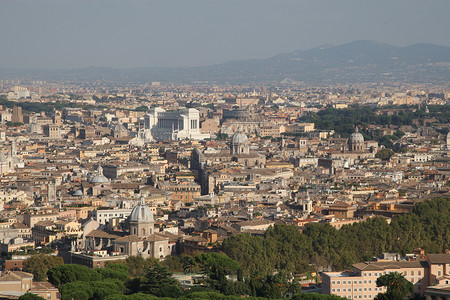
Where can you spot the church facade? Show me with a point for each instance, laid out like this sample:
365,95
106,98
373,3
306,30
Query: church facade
141,239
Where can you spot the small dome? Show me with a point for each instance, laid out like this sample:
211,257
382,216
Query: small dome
239,138
141,213
99,178
356,137
78,192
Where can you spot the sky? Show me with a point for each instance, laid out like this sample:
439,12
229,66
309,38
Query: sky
59,34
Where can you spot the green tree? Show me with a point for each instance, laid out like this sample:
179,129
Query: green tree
397,286
141,108
138,266
315,296
384,154
114,271
159,282
221,136
216,265
30,296
93,290
40,264
63,274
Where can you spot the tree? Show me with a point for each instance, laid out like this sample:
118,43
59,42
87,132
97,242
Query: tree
30,296
397,286
141,108
221,136
315,296
114,271
40,264
216,265
159,282
138,266
63,274
96,290
384,154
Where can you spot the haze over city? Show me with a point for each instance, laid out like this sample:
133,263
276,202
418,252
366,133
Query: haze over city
125,34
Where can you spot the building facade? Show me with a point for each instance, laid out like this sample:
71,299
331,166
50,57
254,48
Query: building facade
174,125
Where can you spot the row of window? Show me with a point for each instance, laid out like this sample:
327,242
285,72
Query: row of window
350,282
376,274
377,289
359,296
110,215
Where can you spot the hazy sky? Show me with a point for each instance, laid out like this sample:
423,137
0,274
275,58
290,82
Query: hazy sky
134,33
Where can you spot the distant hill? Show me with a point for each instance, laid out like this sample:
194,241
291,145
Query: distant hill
355,62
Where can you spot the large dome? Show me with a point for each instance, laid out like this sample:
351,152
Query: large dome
356,137
141,213
239,138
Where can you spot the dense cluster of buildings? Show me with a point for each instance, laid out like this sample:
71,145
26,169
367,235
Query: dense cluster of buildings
100,183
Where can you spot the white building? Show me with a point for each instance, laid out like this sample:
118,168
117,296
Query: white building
104,216
174,125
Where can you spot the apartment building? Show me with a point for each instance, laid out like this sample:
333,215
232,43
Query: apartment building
361,282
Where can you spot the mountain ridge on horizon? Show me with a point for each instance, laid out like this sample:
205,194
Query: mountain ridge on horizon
353,62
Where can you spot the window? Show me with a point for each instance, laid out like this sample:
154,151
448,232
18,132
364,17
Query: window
338,282
419,273
160,249
360,282
370,274
439,273
49,296
412,273
333,290
333,282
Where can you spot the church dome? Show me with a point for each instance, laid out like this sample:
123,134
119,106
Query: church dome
78,192
141,213
239,138
99,178
356,137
